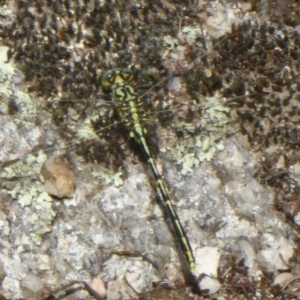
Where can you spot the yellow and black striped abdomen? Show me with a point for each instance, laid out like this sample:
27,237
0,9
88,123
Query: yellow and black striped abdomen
130,109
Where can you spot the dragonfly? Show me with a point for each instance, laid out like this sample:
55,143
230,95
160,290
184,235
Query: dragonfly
130,109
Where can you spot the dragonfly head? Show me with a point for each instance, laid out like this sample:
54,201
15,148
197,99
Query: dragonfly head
117,75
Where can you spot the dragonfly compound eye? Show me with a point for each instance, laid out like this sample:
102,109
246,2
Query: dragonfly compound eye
126,74
108,79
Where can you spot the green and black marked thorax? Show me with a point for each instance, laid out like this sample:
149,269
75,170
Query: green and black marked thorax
127,103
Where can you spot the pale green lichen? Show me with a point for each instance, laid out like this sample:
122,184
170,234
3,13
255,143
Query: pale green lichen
186,35
217,112
28,109
187,160
27,199
214,126
28,190
42,217
189,34
108,176
36,238
170,42
217,127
